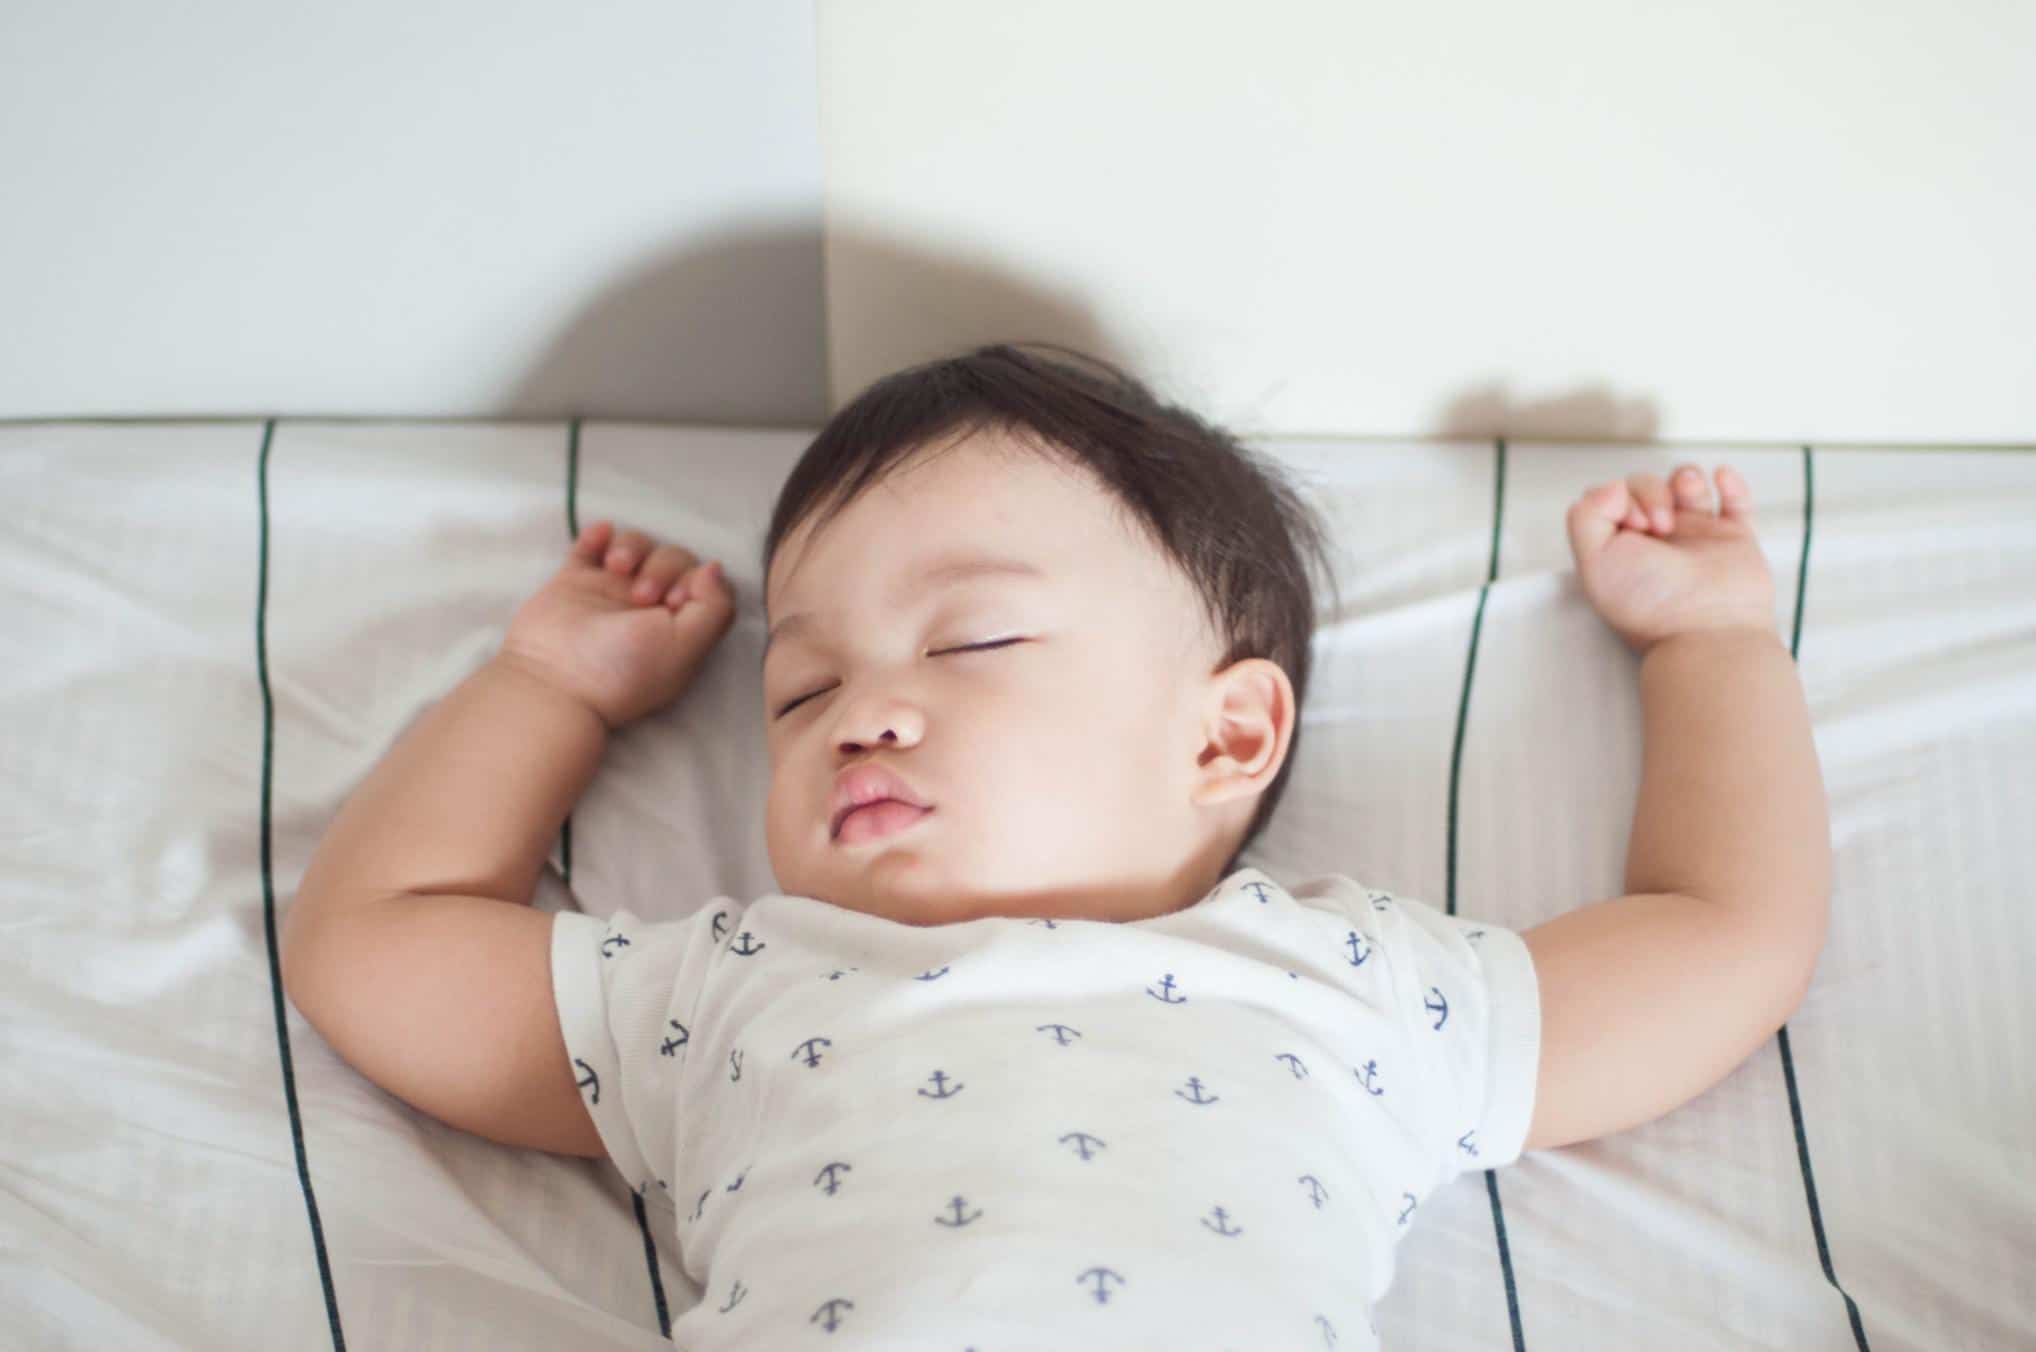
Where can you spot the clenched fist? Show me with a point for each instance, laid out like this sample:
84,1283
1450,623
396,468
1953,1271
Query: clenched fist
624,624
1658,559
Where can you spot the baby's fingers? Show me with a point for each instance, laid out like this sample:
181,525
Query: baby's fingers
703,582
593,542
1650,491
1735,498
660,571
629,549
1596,517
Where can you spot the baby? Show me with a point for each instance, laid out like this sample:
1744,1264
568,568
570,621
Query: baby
1019,1055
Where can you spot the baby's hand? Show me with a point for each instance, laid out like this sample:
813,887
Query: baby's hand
622,625
1701,570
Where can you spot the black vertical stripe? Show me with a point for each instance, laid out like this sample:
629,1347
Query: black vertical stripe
657,1286
1782,1035
565,836
1455,771
269,888
1788,1061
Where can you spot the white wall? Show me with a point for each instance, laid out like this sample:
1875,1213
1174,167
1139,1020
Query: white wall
439,208
1726,220
1582,219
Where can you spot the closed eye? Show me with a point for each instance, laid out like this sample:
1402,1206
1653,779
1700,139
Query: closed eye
968,648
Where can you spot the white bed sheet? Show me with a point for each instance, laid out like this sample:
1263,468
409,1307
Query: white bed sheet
214,629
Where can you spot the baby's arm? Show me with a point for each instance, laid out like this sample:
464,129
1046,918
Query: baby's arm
411,945
1649,999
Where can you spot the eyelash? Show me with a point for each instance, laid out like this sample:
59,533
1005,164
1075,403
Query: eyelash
965,648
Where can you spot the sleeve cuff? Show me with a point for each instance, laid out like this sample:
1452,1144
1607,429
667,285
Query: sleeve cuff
1513,1059
581,996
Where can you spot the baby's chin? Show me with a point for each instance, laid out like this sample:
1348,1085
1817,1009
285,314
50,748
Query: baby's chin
916,897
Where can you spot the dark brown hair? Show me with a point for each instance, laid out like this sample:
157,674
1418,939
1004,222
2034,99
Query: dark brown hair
1227,516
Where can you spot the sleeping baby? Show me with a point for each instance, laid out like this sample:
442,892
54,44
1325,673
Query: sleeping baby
1020,1054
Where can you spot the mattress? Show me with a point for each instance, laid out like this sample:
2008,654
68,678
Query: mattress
214,630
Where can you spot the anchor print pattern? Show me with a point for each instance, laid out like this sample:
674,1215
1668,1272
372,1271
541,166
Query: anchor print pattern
1359,949
1283,1219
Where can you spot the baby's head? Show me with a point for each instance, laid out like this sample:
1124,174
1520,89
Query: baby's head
1135,731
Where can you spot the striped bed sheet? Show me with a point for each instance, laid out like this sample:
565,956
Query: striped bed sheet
216,628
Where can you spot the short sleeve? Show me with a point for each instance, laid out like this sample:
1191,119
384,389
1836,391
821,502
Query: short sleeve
625,991
1471,1004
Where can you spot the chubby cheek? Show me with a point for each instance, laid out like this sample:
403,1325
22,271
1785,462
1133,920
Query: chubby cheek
802,807
1047,783
793,835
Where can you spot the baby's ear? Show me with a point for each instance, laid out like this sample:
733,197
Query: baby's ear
1249,727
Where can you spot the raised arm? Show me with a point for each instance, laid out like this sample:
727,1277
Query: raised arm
1649,999
410,944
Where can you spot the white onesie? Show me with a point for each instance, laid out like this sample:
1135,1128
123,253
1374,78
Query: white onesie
1207,1129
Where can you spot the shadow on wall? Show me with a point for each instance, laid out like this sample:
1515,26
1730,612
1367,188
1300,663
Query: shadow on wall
729,329
1592,413
733,330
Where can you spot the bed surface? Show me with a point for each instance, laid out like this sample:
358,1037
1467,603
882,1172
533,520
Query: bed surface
216,628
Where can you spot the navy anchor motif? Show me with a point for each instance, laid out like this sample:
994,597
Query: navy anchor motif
1466,1145
828,1316
735,1064
1222,1225
941,1091
735,1295
1329,1330
959,1214
1082,1140
1103,1277
701,1205
720,925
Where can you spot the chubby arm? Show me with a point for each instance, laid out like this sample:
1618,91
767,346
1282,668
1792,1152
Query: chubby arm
411,945
1651,998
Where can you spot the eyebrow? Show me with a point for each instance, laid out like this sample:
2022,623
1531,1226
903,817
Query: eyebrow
943,572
